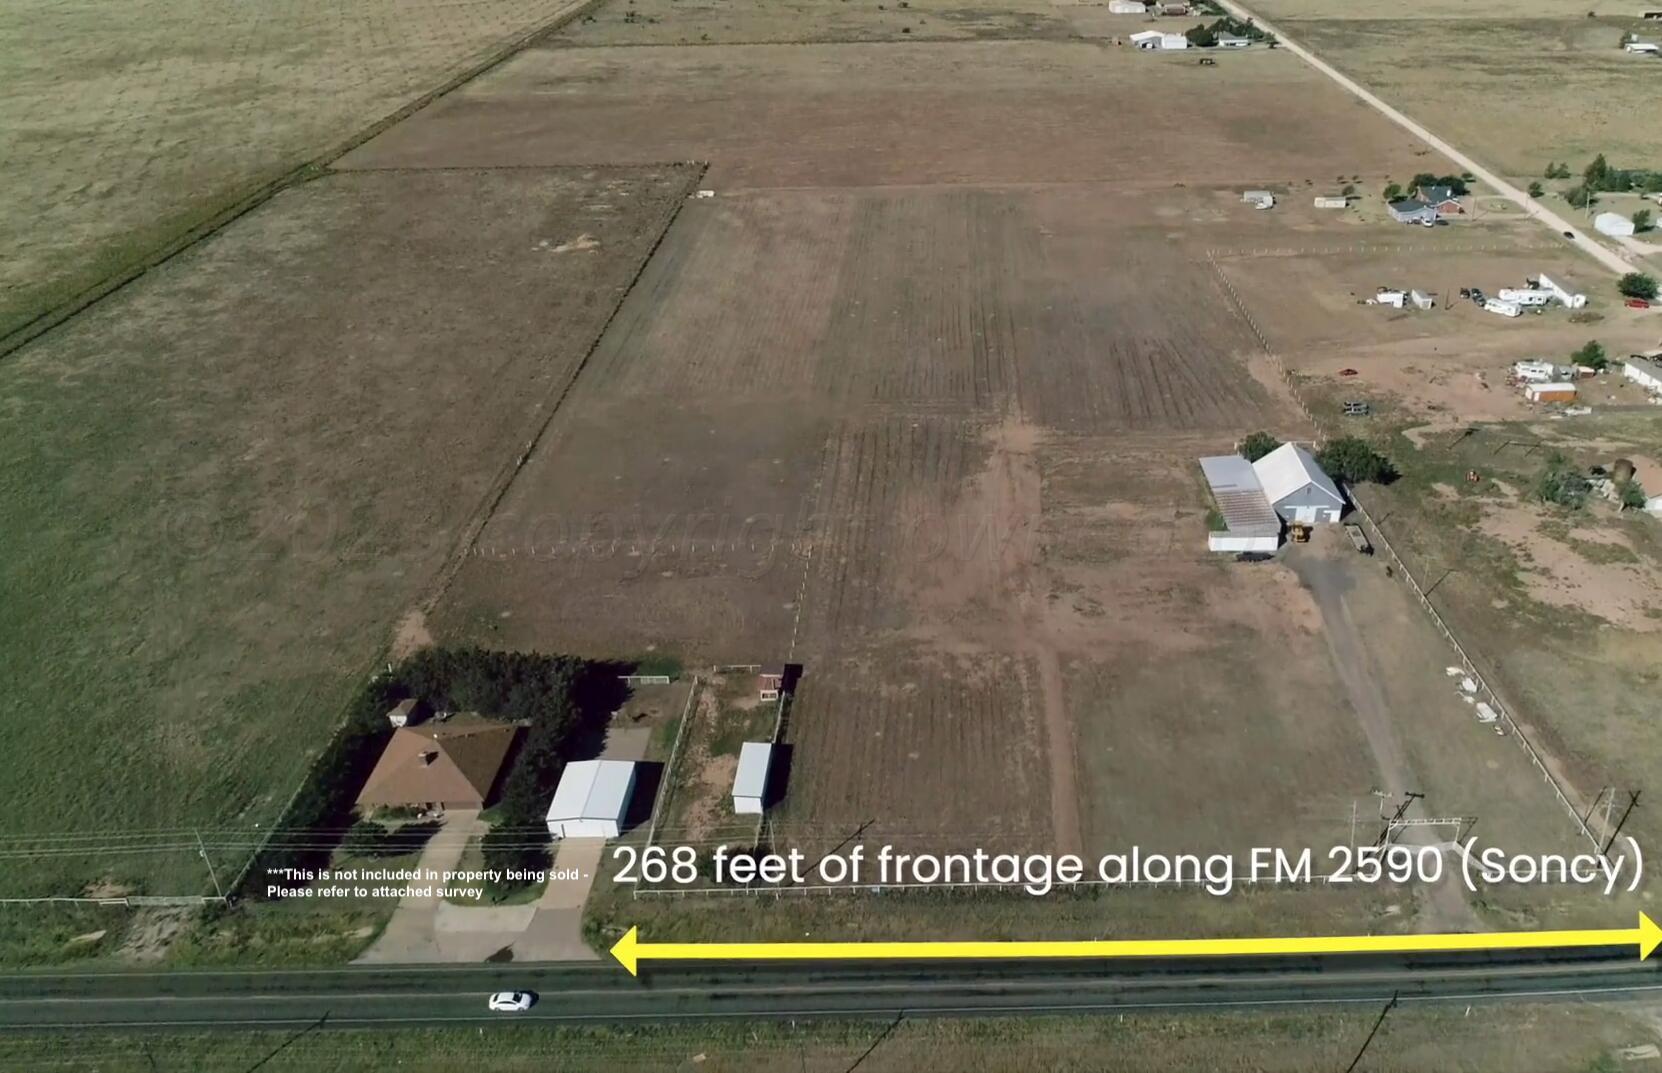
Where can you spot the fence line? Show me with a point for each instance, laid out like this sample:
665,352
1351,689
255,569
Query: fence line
131,901
668,782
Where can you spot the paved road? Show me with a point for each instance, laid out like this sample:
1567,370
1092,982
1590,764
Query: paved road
1609,259
401,996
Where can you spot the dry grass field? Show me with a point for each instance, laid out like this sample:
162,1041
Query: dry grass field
1546,1037
242,470
127,124
1516,85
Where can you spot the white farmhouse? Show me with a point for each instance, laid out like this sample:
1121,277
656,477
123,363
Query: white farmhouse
750,782
1296,488
592,799
1613,224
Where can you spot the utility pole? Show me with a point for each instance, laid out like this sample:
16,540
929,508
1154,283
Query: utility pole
203,850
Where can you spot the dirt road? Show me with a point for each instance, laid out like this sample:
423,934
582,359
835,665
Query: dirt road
1323,567
1530,206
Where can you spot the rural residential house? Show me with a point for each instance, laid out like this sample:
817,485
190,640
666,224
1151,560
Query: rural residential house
1228,40
592,799
1646,372
445,765
1412,211
1441,198
1296,488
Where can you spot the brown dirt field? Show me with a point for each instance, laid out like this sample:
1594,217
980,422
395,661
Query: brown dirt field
898,114
244,469
127,124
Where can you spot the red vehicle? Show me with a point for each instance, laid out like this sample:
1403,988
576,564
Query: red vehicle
1637,303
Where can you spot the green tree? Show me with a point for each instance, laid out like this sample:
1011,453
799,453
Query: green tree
1201,37
1641,220
1352,459
1349,190
1257,445
1552,170
1591,355
1597,174
1561,484
1652,182
1392,192
1536,189
1631,495
1637,285
1581,197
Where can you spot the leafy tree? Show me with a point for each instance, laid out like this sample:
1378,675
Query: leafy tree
509,849
1630,495
1561,484
1596,174
1536,189
1581,197
1257,445
1392,192
1652,182
1201,37
1352,459
1591,355
1637,285
1349,190
1641,220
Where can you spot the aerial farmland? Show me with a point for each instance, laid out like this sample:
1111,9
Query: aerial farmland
878,341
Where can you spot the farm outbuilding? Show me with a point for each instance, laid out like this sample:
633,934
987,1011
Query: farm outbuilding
1155,40
1296,488
750,782
1613,224
1127,7
1259,199
1421,299
1643,48
1250,524
1568,298
1229,40
592,799
1644,372
1331,202
1551,391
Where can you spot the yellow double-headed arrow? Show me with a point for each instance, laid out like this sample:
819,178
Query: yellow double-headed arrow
631,950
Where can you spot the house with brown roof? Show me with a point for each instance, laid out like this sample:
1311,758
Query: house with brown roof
446,765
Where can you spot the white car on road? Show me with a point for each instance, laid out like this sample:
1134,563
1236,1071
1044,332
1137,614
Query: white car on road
512,1001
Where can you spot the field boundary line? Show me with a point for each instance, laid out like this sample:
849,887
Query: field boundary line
313,168
504,482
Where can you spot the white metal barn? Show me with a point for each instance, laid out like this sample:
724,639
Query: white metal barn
1296,488
592,799
1250,524
1127,7
750,783
1613,224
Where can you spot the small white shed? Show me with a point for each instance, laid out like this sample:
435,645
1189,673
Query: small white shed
1127,7
592,799
750,783
1296,487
